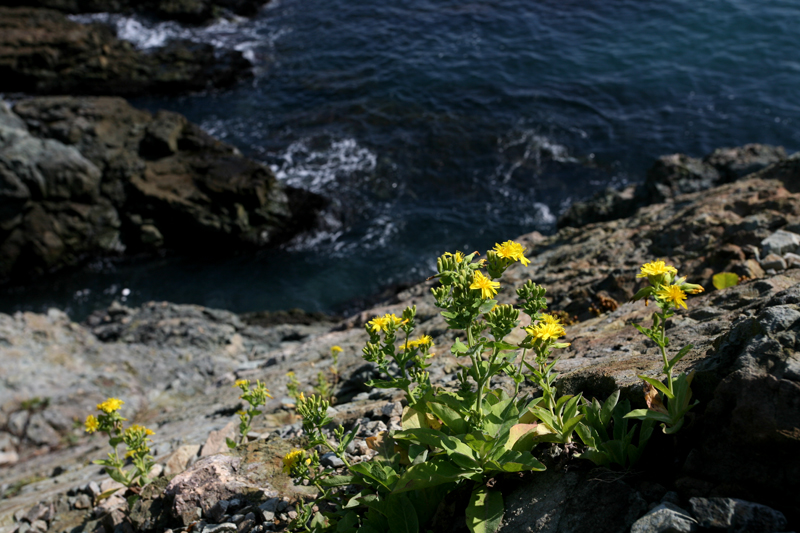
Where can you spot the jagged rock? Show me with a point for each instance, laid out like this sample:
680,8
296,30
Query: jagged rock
44,52
40,432
676,174
737,516
554,502
735,163
608,204
665,518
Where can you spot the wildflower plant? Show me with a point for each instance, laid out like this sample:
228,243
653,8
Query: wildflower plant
255,397
135,438
667,403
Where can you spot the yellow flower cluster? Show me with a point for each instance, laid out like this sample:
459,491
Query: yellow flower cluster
423,341
335,350
291,459
136,428
548,328
673,294
91,424
110,405
512,251
487,287
383,322
242,383
656,268
457,257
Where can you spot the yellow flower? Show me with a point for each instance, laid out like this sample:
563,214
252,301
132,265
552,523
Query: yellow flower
550,319
487,287
301,397
656,268
513,251
382,322
136,428
544,331
424,340
457,257
291,459
242,382
91,424
110,405
672,294
336,350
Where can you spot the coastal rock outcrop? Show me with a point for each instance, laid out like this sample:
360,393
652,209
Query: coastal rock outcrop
670,176
44,52
94,176
734,460
187,11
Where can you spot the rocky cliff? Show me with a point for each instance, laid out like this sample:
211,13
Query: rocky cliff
732,468
84,177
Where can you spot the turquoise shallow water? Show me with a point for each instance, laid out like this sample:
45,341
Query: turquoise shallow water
436,125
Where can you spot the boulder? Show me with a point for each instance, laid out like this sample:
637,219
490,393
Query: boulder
735,163
44,52
81,177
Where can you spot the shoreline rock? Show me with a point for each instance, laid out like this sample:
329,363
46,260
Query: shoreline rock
83,177
44,52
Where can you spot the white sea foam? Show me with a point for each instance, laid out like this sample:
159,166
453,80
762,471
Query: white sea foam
315,169
252,37
529,148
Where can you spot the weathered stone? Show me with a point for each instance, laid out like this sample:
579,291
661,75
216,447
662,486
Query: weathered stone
181,459
8,458
737,516
226,527
735,163
210,480
780,242
40,432
665,518
216,441
17,422
676,174
217,511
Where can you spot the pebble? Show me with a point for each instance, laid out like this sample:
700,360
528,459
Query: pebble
225,527
665,518
330,460
773,262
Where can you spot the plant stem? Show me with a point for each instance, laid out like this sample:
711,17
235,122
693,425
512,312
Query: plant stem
519,373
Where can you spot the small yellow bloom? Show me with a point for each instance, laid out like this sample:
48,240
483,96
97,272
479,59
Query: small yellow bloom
513,251
242,382
457,257
382,322
487,287
336,350
91,424
656,268
110,405
301,397
291,459
550,319
672,294
544,331
424,340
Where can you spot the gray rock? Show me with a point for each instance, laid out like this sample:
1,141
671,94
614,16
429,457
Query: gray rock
735,163
330,460
40,432
780,242
665,518
17,422
792,260
82,501
773,262
217,511
737,516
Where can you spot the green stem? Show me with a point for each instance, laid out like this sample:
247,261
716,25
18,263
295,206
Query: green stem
519,373
662,345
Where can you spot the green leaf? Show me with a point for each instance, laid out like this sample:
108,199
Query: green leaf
339,481
647,414
658,385
452,419
485,510
118,476
523,437
401,514
132,499
586,435
487,306
569,425
429,474
458,347
608,407
723,280
502,346
230,442
680,355
348,523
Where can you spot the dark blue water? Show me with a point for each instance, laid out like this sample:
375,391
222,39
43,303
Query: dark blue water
443,125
